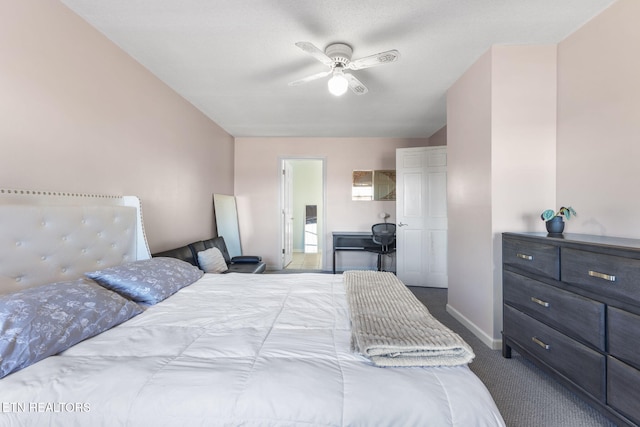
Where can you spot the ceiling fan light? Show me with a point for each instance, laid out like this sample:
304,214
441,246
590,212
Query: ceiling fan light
338,84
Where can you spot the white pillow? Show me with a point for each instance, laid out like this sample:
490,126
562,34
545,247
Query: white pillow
212,261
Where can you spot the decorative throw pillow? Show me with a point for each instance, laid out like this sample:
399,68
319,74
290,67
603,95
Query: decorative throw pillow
148,281
212,261
42,321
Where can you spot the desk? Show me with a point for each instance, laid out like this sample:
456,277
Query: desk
352,241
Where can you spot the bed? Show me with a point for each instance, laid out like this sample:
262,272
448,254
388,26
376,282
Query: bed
225,350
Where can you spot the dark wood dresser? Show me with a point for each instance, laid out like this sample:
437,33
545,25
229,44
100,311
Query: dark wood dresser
572,306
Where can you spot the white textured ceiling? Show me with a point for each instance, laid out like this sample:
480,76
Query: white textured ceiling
232,59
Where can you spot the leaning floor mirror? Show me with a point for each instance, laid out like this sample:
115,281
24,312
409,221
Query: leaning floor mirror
226,215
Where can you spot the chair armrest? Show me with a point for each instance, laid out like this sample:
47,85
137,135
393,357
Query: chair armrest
246,259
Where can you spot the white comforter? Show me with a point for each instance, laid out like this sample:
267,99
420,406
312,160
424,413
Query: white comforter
239,349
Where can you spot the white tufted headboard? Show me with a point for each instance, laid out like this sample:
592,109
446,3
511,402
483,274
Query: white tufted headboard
49,237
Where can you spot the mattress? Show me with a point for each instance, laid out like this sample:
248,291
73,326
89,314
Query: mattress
238,349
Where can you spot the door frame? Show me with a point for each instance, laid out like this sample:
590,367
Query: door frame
321,238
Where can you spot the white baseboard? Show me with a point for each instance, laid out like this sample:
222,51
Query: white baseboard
494,344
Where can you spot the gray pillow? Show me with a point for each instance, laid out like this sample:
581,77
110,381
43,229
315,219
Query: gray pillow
212,261
45,320
148,281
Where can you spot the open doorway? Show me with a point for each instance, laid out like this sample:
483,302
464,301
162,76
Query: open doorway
303,213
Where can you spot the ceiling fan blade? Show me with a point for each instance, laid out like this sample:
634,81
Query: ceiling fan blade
310,78
375,60
356,85
312,50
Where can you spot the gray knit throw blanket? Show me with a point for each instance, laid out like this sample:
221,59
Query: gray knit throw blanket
392,327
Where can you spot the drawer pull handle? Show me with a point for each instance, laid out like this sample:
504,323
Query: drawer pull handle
608,277
540,343
524,256
539,301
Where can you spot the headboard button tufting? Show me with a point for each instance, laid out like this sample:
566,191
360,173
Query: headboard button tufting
54,237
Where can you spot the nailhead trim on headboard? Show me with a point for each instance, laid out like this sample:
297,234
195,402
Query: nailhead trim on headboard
55,193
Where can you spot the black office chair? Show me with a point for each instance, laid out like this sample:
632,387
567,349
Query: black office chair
384,234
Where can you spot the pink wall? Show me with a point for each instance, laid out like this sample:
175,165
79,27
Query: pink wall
469,196
501,144
257,187
599,123
439,138
523,150
79,115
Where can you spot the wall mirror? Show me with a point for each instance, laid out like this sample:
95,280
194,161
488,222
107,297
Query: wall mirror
373,185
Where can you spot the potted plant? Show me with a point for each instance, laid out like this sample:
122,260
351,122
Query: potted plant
554,220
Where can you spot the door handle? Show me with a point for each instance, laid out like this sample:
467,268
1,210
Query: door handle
401,224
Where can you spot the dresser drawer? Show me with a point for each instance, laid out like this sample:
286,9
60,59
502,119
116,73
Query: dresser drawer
579,317
623,388
605,274
537,258
624,335
577,362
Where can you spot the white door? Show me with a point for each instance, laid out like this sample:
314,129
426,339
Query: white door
421,215
287,213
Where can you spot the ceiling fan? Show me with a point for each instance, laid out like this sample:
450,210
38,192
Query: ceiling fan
337,57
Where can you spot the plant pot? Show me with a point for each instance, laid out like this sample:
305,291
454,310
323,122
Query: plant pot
555,225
